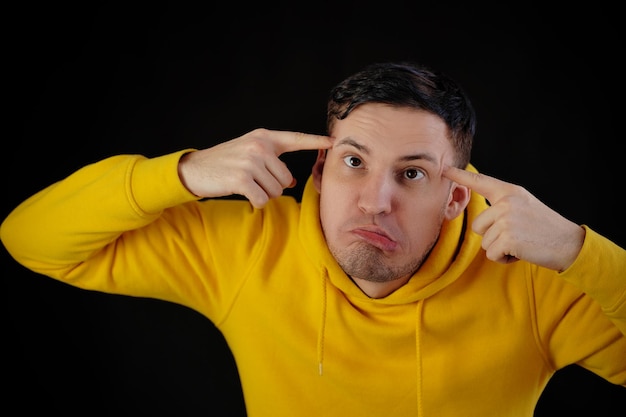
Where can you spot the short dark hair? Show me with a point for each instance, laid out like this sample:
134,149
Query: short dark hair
406,84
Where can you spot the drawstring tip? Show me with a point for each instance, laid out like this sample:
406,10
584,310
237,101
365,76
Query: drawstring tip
320,368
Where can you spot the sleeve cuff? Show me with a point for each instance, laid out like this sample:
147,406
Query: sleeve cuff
155,184
599,271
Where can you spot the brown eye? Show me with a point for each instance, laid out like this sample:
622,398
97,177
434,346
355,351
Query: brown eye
413,174
352,161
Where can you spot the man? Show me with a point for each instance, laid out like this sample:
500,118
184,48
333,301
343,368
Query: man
404,282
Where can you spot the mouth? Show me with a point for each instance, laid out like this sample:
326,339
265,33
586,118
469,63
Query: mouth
376,238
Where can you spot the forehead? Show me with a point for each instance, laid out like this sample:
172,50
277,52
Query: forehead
392,129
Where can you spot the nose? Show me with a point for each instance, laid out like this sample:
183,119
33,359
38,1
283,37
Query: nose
376,195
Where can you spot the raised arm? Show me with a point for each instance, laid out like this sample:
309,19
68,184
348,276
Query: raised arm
248,165
518,225
69,221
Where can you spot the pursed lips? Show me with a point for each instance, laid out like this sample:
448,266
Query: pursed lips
375,236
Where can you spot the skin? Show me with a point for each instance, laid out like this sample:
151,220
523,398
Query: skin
519,226
248,165
386,185
382,196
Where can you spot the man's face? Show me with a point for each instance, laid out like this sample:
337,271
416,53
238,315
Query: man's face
382,196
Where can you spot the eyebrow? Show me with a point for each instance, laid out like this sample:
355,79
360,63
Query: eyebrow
353,143
407,158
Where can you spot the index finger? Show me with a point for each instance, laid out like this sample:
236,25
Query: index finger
288,141
489,187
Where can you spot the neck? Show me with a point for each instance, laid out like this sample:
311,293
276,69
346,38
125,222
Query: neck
379,289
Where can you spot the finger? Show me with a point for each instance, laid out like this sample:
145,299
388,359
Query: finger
261,187
489,187
257,196
288,141
498,248
279,173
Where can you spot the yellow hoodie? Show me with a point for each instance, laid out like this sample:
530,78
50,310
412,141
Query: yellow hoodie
469,338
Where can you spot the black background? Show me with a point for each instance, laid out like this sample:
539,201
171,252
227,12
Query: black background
85,82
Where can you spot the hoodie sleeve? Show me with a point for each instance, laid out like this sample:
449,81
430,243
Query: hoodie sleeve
69,221
600,272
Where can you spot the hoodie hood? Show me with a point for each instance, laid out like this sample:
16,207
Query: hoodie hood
451,256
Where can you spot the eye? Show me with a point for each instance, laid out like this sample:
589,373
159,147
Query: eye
413,174
352,161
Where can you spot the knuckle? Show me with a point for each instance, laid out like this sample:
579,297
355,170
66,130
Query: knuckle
260,131
476,176
300,136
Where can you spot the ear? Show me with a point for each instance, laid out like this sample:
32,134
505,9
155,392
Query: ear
318,169
457,201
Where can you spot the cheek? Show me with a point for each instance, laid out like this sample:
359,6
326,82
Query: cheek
422,216
335,201
336,190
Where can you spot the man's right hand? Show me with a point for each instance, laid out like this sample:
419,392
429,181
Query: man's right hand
248,165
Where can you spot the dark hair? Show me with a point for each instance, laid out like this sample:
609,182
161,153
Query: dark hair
407,84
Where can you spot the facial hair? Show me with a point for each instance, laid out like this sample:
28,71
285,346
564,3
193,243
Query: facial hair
370,263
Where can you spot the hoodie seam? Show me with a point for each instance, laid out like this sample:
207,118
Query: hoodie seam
254,259
532,306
